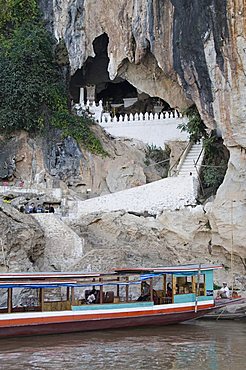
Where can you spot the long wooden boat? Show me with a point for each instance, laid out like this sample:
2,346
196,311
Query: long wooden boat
123,298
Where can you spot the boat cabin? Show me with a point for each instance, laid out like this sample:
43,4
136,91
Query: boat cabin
56,291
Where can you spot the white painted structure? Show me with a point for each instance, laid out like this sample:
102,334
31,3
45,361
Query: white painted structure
153,129
54,193
190,163
170,193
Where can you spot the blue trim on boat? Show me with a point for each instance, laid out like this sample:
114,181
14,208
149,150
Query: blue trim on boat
109,306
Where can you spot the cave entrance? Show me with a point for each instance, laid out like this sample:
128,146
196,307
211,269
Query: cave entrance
92,83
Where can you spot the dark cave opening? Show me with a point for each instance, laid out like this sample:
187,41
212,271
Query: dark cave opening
118,95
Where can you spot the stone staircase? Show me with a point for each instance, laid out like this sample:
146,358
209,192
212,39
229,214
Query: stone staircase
63,245
192,160
171,193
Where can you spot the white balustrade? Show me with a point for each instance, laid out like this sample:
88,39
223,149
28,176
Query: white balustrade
104,118
162,127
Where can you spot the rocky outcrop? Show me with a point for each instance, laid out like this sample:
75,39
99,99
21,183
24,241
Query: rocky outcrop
62,245
53,162
181,52
184,52
21,240
122,239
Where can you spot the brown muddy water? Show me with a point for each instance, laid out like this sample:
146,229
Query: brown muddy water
197,345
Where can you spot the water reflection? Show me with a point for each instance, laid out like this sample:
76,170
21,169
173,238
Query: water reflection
199,345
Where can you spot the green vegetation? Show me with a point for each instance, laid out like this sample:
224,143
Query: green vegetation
15,13
33,92
195,126
215,164
160,157
216,155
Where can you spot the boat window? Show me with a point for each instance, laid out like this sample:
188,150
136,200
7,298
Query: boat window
184,285
188,284
201,288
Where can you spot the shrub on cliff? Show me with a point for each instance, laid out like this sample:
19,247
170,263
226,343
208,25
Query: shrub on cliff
195,127
33,92
28,79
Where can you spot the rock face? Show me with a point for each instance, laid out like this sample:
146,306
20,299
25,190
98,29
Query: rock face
119,239
184,52
53,162
21,240
62,245
181,51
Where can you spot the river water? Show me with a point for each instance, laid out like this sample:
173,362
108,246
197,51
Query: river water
198,345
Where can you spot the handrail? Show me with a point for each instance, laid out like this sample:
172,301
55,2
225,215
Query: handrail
179,158
199,154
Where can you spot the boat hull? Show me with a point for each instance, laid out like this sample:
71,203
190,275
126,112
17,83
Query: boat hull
81,325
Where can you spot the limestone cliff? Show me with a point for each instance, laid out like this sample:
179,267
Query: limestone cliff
184,52
122,239
21,240
52,162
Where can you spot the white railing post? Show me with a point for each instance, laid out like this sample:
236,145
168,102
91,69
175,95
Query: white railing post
81,97
125,118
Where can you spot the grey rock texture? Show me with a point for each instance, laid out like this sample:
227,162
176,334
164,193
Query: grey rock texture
122,239
21,240
62,245
184,52
53,162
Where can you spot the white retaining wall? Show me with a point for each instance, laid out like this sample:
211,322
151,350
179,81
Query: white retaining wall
152,132
170,193
153,129
54,193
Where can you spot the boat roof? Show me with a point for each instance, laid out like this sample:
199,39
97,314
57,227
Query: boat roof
77,276
169,269
80,279
51,279
52,275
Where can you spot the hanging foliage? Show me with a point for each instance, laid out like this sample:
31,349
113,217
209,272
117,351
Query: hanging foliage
33,92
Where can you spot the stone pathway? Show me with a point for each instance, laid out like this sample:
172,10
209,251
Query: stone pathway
170,193
63,245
